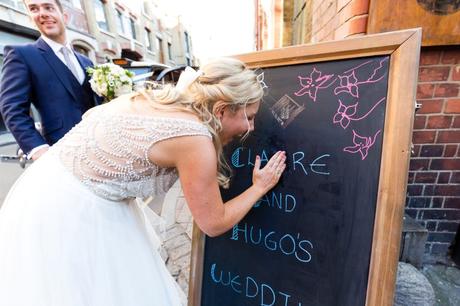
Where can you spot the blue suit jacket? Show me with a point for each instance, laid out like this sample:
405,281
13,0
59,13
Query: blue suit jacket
33,73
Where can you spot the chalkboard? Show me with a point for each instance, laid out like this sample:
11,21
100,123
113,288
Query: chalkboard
308,241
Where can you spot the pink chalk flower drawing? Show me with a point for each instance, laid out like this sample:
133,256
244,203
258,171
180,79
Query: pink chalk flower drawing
361,144
345,114
311,85
348,83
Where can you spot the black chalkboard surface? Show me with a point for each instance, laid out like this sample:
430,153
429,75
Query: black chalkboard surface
329,232
308,241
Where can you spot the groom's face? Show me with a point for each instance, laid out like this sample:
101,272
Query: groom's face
48,17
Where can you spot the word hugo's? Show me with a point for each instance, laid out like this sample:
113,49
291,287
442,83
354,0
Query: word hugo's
263,294
242,157
287,244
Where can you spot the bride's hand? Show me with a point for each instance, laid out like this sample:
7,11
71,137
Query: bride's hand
267,177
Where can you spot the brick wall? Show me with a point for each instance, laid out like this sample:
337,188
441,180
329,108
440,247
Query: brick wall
433,192
337,19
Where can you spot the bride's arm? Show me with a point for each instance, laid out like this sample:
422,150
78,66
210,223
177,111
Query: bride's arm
196,161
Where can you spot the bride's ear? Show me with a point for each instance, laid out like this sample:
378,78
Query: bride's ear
218,109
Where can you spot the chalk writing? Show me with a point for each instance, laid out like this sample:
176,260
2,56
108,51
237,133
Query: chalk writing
250,288
287,244
285,202
244,157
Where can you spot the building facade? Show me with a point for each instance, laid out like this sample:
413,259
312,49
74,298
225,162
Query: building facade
107,29
433,191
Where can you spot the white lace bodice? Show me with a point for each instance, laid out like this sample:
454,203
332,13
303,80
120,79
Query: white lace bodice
108,153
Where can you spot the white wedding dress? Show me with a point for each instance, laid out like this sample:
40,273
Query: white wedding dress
70,232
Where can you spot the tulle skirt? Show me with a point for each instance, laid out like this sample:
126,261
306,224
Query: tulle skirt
62,245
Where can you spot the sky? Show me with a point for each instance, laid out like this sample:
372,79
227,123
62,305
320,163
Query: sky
217,27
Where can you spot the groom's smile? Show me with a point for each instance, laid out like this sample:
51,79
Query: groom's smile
49,18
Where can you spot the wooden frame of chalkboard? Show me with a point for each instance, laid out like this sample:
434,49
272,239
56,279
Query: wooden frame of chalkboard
402,48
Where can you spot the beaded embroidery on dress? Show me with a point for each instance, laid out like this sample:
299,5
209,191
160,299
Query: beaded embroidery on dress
108,153
73,233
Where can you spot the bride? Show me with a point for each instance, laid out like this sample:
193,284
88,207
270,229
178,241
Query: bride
70,234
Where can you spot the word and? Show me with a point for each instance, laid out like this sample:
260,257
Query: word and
285,202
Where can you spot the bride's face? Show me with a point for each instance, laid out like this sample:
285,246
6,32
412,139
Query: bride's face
237,123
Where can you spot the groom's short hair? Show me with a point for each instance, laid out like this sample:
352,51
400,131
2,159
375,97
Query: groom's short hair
58,3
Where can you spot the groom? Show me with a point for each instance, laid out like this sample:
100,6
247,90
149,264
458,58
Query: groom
49,74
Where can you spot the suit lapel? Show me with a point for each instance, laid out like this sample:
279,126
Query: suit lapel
58,67
84,64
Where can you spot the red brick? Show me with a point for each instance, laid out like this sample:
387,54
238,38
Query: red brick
425,91
441,237
414,190
439,122
410,177
419,202
419,164
447,136
447,226
419,122
441,214
447,190
452,106
428,190
423,136
450,150
446,90
430,57
431,151
443,177
456,73
451,57
456,123
437,202
455,179
439,249
426,177
427,74
445,164
452,202
355,25
415,150
430,106
357,7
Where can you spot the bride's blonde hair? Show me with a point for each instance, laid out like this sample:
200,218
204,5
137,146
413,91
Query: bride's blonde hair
225,81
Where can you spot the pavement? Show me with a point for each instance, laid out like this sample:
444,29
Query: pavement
9,171
445,280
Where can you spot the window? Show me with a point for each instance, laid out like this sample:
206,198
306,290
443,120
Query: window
81,50
120,28
187,46
127,27
160,49
148,42
17,4
101,18
170,51
133,27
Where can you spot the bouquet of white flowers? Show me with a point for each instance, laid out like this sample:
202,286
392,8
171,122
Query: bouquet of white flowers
110,80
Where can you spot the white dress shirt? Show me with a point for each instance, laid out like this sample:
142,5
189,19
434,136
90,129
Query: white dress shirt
56,47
